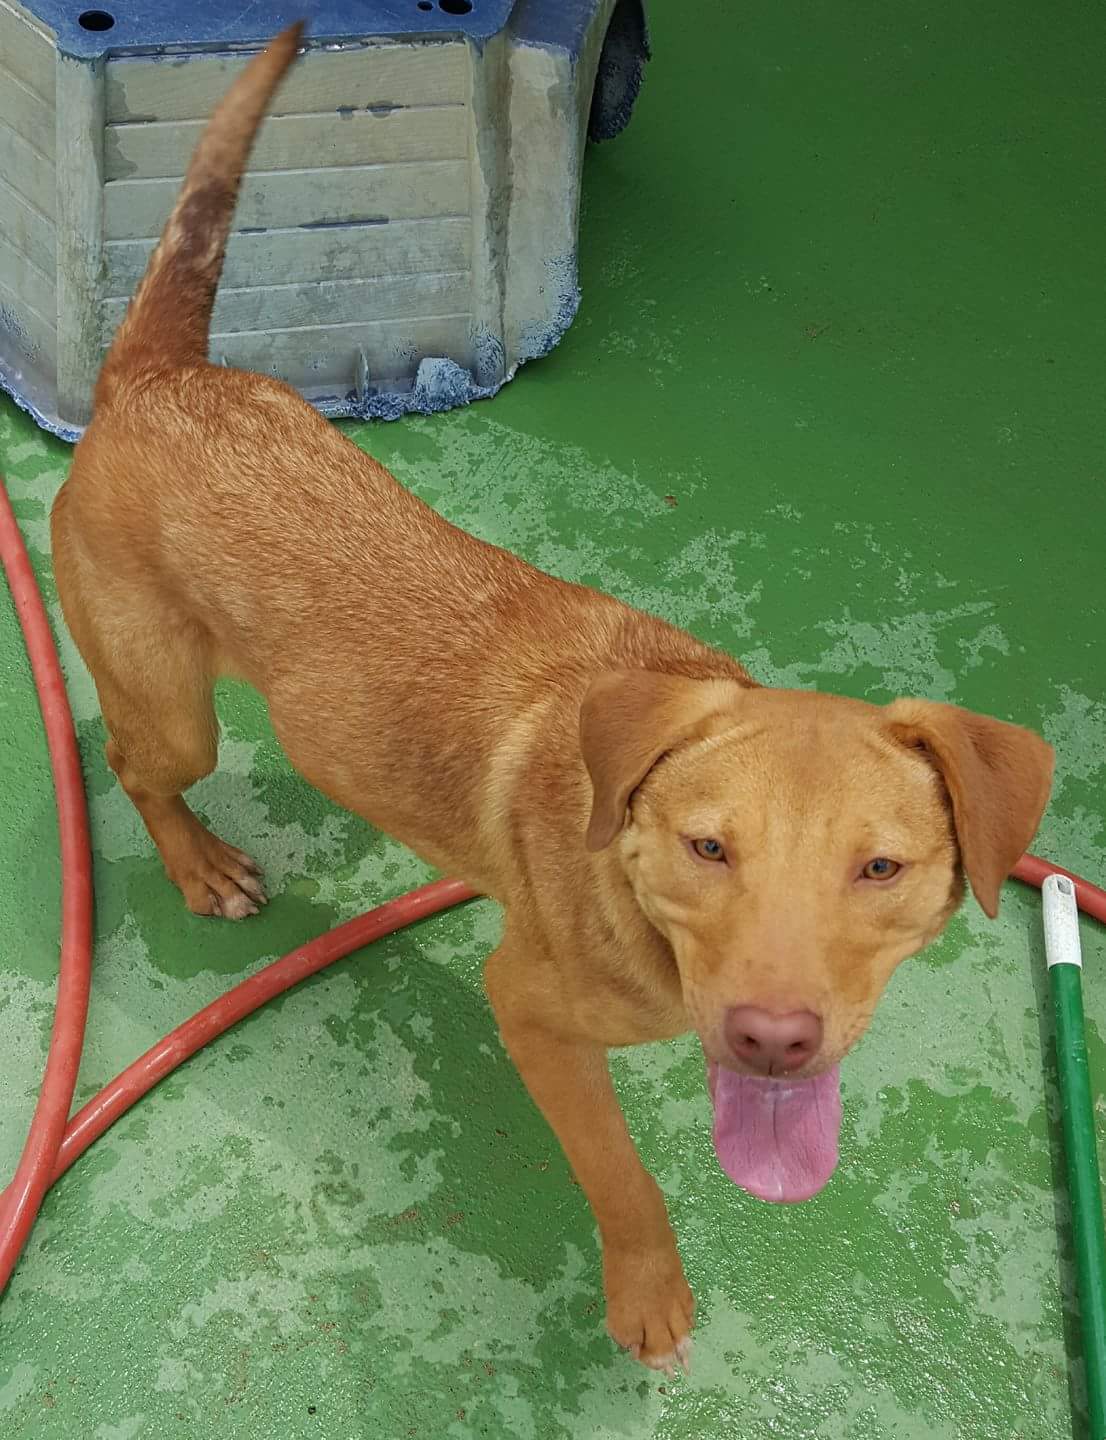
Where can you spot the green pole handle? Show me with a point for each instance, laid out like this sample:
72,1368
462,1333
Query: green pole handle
1065,963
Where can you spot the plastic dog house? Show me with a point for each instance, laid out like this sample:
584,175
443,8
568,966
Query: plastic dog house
406,236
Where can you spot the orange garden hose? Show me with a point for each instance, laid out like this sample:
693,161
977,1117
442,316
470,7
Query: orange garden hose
19,1204
1032,870
52,1145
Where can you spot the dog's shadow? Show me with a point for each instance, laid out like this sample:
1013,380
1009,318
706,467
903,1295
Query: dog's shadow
435,1227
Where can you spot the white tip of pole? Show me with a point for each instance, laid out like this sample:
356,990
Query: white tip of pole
1061,922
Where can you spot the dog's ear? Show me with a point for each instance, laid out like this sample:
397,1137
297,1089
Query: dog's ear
628,720
998,777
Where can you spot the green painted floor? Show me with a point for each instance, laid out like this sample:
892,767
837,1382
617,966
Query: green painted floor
834,402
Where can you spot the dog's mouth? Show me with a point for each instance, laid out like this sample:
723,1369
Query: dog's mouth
777,1139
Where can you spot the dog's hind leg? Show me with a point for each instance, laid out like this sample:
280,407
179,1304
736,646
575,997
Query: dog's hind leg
154,674
158,750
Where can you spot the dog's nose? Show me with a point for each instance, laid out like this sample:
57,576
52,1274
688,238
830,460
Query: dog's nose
771,1043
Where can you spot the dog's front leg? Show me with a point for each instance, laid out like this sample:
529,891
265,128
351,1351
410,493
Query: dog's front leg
649,1306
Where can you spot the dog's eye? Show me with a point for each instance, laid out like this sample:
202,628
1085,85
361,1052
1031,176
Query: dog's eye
881,868
709,849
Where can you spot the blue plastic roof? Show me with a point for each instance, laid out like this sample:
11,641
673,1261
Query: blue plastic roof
113,26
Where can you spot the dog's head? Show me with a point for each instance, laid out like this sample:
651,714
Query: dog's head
794,848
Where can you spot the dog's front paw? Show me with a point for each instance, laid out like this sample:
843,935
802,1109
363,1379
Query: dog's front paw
650,1309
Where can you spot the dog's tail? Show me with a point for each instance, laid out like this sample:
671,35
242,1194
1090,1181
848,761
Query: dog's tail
168,320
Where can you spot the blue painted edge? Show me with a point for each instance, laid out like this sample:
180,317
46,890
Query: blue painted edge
458,387
562,25
383,405
45,419
150,25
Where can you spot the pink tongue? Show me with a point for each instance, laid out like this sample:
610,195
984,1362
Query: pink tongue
776,1138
